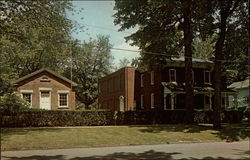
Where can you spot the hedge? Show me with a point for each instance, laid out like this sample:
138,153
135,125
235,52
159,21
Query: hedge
174,117
45,118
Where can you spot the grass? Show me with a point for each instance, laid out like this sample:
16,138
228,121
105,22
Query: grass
48,138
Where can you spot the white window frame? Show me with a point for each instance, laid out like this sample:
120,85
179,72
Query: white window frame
67,98
170,80
209,77
27,92
152,98
142,105
142,76
152,79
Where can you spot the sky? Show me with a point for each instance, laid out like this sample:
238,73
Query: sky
96,17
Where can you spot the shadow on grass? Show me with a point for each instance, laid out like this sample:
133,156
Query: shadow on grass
229,132
175,128
234,132
148,155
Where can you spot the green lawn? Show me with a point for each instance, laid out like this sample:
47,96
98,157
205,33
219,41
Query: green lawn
45,138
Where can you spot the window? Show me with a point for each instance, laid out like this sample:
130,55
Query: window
142,101
207,99
172,75
152,100
152,79
207,78
142,80
44,79
63,99
45,94
27,97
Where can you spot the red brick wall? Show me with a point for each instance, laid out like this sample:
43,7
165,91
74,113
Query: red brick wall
34,83
111,87
147,89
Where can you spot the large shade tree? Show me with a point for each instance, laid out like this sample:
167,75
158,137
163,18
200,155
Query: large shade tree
89,62
29,36
164,29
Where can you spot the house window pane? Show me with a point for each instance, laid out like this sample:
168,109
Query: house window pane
152,78
207,77
63,99
142,80
172,75
27,97
207,100
142,101
152,100
45,94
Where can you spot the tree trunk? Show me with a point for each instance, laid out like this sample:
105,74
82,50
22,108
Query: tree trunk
217,68
186,4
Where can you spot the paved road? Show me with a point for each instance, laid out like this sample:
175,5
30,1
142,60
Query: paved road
193,151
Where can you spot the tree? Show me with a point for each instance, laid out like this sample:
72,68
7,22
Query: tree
123,63
226,8
158,34
29,32
90,61
236,44
204,49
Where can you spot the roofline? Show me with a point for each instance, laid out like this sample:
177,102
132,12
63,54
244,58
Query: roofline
123,68
47,70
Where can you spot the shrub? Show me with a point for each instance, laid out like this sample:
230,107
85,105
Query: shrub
46,118
11,103
51,118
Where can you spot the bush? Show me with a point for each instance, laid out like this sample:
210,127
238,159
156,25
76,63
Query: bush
46,118
11,103
51,118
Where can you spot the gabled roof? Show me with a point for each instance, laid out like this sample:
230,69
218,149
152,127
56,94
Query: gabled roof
45,70
240,84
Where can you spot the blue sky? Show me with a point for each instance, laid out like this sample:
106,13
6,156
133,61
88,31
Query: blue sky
97,19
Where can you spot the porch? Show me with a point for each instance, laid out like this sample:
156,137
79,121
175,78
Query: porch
174,97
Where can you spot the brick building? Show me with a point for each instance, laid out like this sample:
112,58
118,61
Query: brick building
46,89
116,91
165,89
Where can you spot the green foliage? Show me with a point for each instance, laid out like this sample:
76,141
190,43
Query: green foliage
29,33
123,63
156,32
45,118
204,49
90,61
236,44
11,103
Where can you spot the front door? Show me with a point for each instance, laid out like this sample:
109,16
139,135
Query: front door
45,102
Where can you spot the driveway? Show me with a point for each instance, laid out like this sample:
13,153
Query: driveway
191,151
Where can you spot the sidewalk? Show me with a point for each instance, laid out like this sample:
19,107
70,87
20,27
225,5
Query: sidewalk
193,151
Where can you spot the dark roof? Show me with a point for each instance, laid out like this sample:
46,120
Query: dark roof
182,59
45,70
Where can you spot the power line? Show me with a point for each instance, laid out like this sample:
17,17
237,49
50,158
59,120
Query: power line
146,52
164,54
